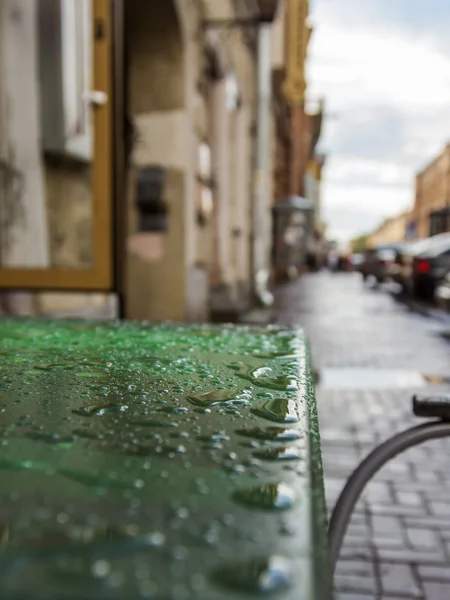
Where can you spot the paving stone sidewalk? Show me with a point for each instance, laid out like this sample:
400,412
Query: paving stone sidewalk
398,542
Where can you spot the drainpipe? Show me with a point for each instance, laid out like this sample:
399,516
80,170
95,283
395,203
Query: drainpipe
447,199
261,202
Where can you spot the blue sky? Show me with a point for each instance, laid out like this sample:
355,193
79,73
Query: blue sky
383,67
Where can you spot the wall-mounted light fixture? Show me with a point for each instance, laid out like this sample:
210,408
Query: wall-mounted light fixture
267,10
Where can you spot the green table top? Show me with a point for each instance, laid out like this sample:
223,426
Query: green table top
165,462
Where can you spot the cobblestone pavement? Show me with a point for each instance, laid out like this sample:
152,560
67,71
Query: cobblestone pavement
398,543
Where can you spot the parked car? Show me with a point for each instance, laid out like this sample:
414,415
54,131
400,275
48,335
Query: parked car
357,261
377,262
401,270
442,294
429,267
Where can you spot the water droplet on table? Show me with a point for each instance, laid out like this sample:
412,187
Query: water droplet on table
272,434
260,575
279,355
96,410
281,454
280,410
153,423
257,377
101,568
212,398
213,437
270,496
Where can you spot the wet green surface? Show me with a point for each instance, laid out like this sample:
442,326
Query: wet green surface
163,462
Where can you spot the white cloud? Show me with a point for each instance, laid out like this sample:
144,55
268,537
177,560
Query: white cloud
381,174
404,72
387,95
366,198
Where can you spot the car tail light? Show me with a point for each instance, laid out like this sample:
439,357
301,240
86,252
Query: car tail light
423,266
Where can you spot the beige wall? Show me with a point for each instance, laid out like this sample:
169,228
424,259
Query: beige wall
242,156
156,275
24,240
69,203
155,271
156,49
220,144
232,155
278,37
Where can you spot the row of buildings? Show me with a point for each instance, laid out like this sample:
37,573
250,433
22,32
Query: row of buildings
159,153
430,214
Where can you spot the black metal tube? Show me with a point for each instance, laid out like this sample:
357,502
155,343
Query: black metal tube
367,469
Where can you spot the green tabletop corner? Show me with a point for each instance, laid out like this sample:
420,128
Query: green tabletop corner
168,462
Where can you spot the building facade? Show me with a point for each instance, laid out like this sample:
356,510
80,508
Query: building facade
297,166
431,213
131,168
391,231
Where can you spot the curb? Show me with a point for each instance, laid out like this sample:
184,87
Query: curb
428,311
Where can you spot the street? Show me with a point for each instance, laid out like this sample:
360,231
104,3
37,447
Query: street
372,354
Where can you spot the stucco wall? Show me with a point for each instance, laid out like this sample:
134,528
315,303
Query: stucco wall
24,241
233,155
156,51
156,276
69,203
157,283
278,37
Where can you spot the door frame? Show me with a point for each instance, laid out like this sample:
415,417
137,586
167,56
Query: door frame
101,276
120,160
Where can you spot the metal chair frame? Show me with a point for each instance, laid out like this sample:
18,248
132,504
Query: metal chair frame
437,407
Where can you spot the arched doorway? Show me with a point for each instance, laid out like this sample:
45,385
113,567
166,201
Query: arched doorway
159,230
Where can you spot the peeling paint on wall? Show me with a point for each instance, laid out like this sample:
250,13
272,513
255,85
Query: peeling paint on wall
11,208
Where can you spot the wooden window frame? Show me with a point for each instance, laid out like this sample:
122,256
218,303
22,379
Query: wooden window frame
100,276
